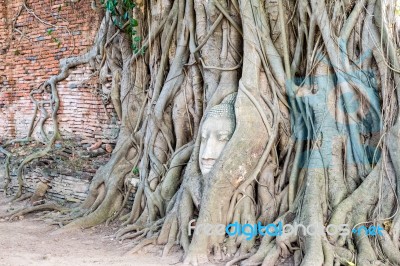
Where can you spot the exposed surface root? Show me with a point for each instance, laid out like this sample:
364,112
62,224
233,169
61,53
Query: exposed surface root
24,211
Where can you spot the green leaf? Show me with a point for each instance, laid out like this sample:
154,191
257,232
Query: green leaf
50,31
134,22
126,15
135,171
110,6
129,4
116,22
137,39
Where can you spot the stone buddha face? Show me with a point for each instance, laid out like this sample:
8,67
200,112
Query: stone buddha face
217,129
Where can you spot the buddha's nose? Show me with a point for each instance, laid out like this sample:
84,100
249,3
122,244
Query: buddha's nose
210,152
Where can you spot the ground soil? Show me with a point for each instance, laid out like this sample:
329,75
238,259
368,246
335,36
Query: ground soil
28,241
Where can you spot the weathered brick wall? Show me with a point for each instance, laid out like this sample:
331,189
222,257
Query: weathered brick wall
30,54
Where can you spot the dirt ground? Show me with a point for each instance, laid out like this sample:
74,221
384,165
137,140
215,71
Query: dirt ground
32,242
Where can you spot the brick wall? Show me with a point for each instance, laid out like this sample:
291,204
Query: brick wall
30,54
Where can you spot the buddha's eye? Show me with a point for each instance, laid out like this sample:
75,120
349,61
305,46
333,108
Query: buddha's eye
223,137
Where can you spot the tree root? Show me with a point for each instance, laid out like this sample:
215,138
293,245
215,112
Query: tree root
239,258
7,177
23,211
143,243
128,229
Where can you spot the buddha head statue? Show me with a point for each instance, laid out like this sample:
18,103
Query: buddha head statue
217,129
